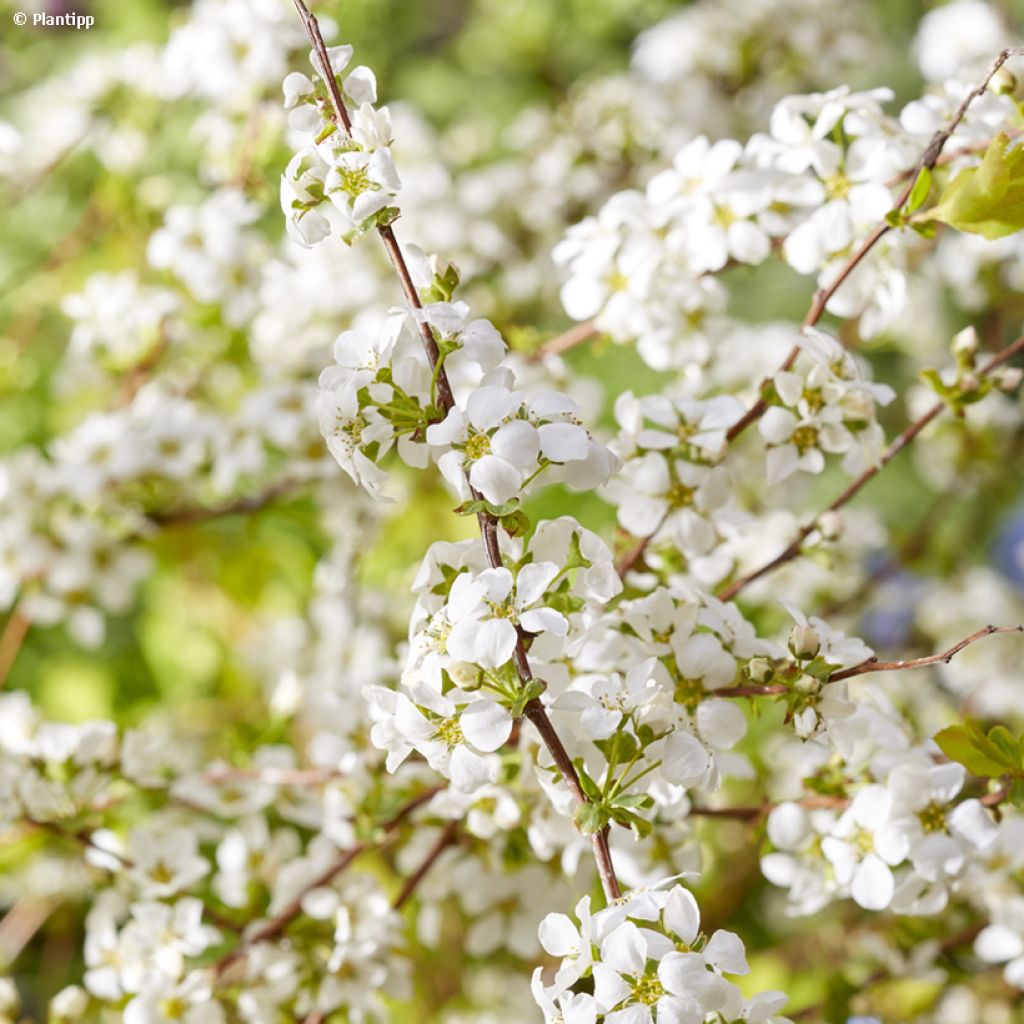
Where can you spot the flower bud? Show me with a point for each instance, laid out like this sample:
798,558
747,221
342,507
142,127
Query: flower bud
830,525
465,675
807,685
1008,378
965,345
804,641
760,670
1003,83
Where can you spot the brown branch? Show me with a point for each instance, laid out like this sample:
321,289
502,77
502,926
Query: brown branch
273,927
228,776
821,298
447,838
80,837
908,435
566,341
11,640
756,811
487,523
192,514
873,665
943,657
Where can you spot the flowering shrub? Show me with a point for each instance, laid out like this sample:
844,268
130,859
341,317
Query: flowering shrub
545,634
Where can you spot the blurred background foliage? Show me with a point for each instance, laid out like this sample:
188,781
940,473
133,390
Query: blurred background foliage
179,651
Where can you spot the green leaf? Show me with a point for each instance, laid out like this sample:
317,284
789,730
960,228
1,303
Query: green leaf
986,200
1016,794
1002,738
618,748
590,818
641,827
968,745
633,801
919,193
515,523
575,559
587,784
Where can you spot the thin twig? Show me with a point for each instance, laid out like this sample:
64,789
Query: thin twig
11,640
488,525
566,341
192,514
873,665
78,836
943,657
273,927
447,838
822,296
908,435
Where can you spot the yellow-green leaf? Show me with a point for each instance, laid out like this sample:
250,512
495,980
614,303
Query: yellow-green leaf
988,199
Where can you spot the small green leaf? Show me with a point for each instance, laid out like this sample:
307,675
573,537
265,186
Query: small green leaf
575,559
633,801
1002,738
971,748
590,818
587,784
919,193
987,200
641,827
515,523
1016,794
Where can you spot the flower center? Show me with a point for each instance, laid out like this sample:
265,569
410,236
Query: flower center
838,186
680,496
477,447
355,181
724,217
647,990
689,692
450,732
864,842
932,818
805,437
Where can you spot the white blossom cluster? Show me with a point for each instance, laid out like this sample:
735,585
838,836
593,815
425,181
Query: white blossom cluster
403,740
649,961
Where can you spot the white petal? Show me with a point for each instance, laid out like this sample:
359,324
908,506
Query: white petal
469,771
625,949
486,724
563,442
873,885
496,479
725,951
997,943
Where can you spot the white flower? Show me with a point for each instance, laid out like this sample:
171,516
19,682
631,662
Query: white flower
999,944
607,699
560,937
864,846
451,737
361,184
487,610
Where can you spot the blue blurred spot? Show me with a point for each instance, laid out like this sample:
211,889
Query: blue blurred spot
1008,549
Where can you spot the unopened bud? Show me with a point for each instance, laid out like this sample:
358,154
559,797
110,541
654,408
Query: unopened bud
465,675
968,384
760,670
830,525
804,642
965,345
807,685
1003,83
1008,378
